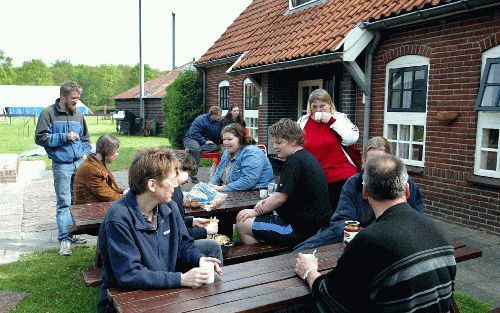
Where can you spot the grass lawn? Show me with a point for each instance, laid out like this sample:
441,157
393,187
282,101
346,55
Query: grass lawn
55,284
18,137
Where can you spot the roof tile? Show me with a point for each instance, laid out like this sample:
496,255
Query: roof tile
271,34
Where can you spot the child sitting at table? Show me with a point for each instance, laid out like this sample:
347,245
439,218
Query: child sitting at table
197,227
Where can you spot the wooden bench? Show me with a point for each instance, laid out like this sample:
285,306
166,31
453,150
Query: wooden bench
233,255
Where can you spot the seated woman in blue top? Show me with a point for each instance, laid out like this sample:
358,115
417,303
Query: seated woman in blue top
143,239
242,166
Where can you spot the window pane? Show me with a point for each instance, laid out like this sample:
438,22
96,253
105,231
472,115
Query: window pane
488,160
395,100
408,77
417,152
404,132
406,99
392,132
396,80
404,150
494,74
419,82
393,147
418,133
490,138
490,95
418,99
305,97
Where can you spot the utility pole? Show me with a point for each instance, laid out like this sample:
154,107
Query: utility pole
141,66
173,41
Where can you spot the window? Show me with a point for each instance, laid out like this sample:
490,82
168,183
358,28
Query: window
487,158
405,107
293,4
224,95
408,89
251,100
489,91
305,89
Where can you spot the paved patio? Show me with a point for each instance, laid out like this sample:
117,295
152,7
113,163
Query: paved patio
27,224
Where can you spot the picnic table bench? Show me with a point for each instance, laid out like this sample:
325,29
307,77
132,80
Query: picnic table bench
87,218
263,285
234,255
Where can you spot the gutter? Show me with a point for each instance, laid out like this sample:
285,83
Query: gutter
368,96
458,7
225,60
285,65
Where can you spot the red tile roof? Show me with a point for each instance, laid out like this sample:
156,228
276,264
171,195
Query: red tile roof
268,35
154,88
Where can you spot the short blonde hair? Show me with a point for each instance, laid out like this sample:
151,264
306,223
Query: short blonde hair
287,129
151,163
322,95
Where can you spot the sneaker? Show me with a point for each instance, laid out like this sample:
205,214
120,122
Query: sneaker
77,239
65,248
194,180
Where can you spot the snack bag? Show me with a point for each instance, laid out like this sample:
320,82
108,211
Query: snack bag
202,192
215,202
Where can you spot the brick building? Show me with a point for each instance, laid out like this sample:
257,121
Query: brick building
425,74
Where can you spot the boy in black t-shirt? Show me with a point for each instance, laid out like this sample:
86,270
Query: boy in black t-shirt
300,201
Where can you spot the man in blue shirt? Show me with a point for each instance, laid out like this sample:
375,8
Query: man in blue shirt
63,132
203,136
353,206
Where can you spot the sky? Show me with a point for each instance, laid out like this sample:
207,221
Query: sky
94,32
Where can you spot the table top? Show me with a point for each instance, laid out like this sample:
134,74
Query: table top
258,286
87,218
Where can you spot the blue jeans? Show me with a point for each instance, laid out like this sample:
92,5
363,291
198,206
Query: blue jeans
195,150
64,175
209,247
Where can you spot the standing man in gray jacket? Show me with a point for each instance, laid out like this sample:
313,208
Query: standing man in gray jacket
63,132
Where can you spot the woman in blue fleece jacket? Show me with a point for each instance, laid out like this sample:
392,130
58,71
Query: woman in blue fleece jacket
143,238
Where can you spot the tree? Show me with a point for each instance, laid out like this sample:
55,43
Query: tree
135,75
62,71
7,73
182,104
35,73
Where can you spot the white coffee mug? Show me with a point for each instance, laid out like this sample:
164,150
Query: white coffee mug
210,267
318,115
263,193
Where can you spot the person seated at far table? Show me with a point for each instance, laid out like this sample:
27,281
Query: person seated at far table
243,166
197,227
353,206
94,182
143,238
203,136
301,199
401,263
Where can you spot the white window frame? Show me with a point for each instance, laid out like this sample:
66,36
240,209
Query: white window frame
305,83
406,118
251,117
223,83
292,7
488,120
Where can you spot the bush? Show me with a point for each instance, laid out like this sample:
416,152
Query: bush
182,104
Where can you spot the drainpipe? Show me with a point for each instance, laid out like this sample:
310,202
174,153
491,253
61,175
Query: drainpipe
204,83
368,95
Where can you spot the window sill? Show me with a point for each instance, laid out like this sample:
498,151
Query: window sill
415,170
484,181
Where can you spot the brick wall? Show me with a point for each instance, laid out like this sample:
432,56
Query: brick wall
217,74
454,48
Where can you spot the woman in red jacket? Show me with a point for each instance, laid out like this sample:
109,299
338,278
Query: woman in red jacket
326,132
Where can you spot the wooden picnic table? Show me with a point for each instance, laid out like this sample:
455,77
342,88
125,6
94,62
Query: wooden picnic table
87,218
259,286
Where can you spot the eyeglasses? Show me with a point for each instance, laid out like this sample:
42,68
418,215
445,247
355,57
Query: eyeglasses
172,181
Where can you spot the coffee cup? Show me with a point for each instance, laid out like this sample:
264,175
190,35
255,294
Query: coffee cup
318,115
210,267
309,256
263,193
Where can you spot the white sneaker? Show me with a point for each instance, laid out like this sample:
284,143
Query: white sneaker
65,248
77,239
